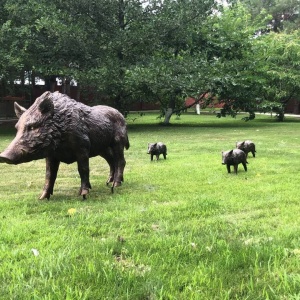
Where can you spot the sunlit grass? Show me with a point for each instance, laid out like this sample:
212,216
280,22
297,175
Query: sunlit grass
180,228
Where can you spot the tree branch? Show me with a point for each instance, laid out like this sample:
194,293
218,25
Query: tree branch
189,106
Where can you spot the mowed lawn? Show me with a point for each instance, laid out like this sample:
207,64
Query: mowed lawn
180,228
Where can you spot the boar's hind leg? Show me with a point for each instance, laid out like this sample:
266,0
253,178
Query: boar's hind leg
245,166
52,166
115,158
119,163
235,169
108,156
84,172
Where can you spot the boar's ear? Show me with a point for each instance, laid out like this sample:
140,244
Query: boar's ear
19,110
230,152
46,106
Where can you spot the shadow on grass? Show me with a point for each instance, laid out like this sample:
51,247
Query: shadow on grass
202,121
235,125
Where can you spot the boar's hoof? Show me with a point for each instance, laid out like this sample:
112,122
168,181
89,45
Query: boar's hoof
83,192
115,184
109,180
45,195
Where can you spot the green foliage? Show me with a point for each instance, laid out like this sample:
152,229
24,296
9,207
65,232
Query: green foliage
156,51
180,228
284,13
278,58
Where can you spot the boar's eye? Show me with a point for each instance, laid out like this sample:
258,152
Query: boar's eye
31,127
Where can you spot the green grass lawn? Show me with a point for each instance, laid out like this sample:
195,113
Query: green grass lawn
181,228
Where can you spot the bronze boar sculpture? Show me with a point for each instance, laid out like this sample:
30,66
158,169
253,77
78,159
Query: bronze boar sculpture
234,158
247,146
61,129
157,149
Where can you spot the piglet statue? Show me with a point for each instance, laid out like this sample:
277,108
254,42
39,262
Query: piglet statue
234,158
61,129
157,149
247,146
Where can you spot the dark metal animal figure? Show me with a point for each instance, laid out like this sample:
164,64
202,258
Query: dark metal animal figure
157,149
247,146
234,158
61,129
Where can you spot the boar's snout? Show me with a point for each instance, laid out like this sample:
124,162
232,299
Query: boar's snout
12,157
223,158
150,148
5,159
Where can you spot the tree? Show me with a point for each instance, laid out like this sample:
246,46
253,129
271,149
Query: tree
158,51
279,66
284,13
92,42
256,72
40,37
273,62
166,76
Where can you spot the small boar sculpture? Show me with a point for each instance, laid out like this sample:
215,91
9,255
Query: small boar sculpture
61,129
234,158
157,149
247,146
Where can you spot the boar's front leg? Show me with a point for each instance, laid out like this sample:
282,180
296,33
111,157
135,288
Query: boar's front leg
228,168
84,172
52,166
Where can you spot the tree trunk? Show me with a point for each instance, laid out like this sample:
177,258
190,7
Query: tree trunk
120,105
296,107
168,116
169,111
78,93
66,86
50,82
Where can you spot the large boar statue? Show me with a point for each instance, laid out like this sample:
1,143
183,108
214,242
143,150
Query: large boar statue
61,129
